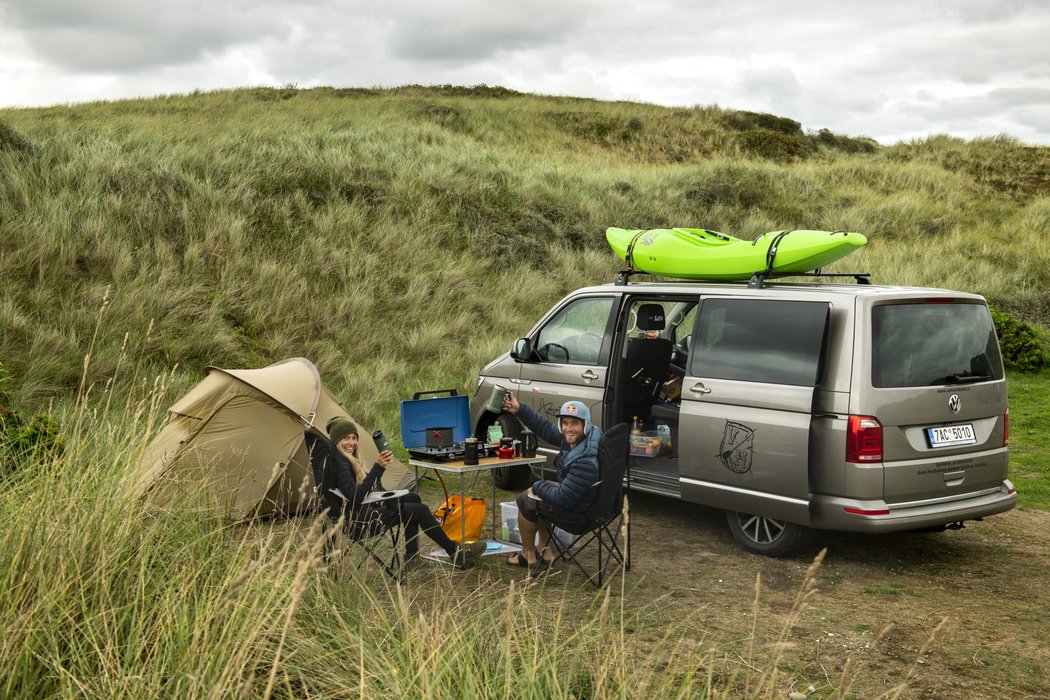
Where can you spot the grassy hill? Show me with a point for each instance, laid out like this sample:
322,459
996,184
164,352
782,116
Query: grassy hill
399,238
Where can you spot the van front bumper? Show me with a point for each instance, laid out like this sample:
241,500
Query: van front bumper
851,515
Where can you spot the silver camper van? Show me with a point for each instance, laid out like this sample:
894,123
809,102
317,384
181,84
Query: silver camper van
792,406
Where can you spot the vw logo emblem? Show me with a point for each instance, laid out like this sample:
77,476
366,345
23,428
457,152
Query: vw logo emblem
954,403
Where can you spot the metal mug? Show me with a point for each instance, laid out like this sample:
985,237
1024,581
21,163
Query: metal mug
381,442
495,403
470,451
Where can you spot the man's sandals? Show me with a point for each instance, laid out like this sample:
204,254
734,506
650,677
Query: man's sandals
518,559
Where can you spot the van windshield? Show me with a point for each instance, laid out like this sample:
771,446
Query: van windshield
933,343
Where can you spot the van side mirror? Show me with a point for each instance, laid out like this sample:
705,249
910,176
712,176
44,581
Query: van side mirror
522,350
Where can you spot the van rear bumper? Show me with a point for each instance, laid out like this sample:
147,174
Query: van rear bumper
851,515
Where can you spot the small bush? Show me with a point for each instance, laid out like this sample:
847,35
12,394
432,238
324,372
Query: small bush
1020,343
19,437
846,144
773,145
747,121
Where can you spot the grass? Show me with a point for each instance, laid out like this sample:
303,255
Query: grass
399,239
103,597
1029,397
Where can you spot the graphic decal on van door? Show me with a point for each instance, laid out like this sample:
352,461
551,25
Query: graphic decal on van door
738,444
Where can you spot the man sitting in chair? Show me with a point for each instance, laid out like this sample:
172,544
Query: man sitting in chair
569,497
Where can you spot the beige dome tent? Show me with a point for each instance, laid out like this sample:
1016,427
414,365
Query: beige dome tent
237,440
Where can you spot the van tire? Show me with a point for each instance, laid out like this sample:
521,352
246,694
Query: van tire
511,478
768,536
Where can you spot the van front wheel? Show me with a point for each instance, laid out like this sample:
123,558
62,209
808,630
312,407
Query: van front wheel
762,535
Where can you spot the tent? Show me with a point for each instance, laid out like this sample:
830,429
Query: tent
237,440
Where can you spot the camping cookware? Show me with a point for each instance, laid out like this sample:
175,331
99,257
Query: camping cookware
495,404
382,444
470,451
529,444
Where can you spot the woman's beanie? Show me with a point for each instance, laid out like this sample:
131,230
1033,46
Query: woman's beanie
339,428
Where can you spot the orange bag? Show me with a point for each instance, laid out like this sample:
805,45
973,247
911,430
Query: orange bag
452,512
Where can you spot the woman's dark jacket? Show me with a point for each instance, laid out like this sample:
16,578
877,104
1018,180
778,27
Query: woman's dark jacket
333,472
577,466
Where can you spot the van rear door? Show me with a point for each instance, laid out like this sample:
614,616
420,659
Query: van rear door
747,402
937,387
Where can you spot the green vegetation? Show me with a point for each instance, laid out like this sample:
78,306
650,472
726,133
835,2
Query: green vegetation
1022,347
398,239
1030,437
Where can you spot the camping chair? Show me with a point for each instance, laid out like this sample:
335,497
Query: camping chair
606,515
369,535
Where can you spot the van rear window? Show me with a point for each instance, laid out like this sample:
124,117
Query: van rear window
929,344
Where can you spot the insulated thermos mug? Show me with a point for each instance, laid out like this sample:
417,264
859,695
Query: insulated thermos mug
495,404
470,451
381,443
529,444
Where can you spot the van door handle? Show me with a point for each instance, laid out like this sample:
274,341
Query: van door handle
589,375
699,388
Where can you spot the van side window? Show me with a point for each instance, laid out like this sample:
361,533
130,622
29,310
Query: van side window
757,340
576,333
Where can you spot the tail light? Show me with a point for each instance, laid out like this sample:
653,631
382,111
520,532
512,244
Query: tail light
864,439
1006,428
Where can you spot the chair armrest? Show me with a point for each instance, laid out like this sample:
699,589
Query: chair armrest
376,496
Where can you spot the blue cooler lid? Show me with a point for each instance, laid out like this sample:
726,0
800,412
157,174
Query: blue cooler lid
419,414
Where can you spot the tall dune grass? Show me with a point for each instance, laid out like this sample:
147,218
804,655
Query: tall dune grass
105,595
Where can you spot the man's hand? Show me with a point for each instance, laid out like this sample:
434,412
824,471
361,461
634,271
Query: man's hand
511,403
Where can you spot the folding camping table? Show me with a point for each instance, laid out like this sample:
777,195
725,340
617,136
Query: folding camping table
457,466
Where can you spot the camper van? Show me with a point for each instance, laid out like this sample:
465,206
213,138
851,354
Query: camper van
794,407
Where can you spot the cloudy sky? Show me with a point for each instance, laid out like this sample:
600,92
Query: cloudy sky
889,69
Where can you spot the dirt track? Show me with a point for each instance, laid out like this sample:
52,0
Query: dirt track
990,580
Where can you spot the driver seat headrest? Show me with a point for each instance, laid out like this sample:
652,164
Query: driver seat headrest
650,317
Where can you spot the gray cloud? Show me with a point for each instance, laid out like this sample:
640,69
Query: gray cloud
130,36
471,30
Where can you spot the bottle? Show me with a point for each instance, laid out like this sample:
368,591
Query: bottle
637,437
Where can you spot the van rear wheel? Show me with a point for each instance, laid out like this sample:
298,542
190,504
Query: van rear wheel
769,536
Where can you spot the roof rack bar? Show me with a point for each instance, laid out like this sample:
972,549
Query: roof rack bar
757,280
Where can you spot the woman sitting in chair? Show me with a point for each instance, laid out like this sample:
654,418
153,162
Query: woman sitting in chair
343,484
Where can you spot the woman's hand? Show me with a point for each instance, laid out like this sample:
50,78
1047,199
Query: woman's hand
385,458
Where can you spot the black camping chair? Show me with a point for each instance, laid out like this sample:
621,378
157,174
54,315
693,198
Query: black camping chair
606,515
371,535
646,363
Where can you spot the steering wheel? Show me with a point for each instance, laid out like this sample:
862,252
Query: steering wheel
548,350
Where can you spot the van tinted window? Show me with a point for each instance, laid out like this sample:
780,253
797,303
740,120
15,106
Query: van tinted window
775,342
933,343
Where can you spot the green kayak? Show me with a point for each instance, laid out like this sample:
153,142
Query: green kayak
693,253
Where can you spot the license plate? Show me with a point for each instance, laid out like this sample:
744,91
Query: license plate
952,435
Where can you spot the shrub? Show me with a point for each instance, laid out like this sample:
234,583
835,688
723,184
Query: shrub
774,145
20,438
1021,345
747,121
